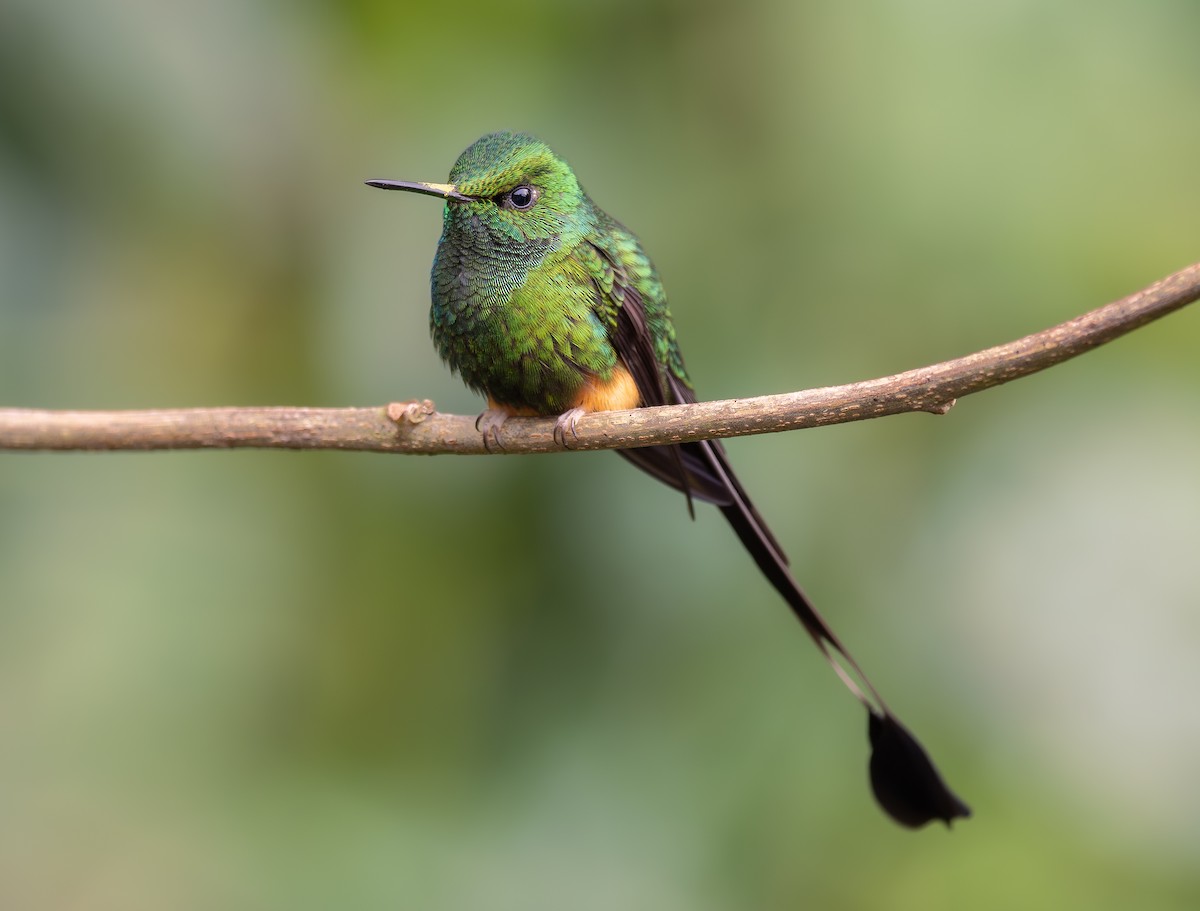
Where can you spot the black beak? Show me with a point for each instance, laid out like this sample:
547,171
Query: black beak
444,190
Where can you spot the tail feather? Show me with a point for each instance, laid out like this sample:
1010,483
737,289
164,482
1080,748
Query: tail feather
904,779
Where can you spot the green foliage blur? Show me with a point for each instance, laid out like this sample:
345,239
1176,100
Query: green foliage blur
279,680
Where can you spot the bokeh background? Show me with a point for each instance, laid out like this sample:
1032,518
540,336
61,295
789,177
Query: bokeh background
279,680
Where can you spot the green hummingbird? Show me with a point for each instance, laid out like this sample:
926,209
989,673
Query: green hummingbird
546,305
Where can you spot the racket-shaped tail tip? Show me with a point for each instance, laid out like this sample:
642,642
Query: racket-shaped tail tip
905,781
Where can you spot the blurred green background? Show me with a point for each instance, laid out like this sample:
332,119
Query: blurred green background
279,680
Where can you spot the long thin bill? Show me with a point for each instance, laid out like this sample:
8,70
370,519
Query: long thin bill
444,190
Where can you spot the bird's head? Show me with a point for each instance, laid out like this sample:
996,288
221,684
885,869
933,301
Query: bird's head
510,185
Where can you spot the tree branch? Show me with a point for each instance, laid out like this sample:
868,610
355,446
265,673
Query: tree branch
414,427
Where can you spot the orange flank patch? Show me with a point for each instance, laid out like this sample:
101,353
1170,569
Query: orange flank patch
618,393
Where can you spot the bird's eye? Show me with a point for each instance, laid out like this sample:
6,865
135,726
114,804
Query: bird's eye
522,197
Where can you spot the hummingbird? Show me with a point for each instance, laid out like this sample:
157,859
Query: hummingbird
548,306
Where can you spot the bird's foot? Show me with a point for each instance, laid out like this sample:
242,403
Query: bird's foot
564,428
489,424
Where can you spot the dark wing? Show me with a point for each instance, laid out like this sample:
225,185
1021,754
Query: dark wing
683,467
698,470
633,340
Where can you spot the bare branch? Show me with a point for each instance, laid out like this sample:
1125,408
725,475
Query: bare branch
414,427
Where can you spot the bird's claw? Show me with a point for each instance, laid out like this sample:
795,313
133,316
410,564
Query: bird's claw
564,428
489,424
